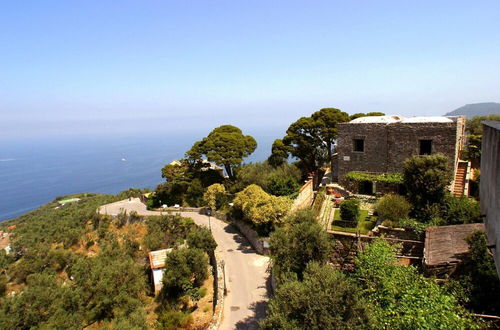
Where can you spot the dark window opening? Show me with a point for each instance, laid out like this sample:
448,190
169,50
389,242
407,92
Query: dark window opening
366,188
425,147
359,145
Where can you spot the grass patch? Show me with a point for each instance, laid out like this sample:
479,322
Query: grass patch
364,225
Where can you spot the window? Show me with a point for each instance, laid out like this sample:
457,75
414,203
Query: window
359,145
425,147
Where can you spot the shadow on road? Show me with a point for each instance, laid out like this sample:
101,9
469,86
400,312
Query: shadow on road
244,244
251,322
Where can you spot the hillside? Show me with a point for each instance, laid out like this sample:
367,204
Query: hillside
69,267
476,109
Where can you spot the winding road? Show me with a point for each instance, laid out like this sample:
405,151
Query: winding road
246,276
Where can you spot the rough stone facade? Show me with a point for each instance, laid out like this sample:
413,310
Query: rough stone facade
387,145
490,186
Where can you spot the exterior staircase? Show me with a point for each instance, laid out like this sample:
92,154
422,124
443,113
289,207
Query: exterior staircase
460,179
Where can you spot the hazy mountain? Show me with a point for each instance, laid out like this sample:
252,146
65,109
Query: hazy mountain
476,109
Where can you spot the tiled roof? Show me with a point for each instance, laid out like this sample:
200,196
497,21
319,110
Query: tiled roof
157,258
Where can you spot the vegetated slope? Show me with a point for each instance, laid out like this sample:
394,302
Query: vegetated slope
70,267
476,109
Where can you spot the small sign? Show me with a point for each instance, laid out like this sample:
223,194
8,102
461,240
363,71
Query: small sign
347,158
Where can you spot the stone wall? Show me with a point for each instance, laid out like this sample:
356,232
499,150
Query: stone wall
387,146
399,233
260,244
347,245
305,197
404,139
490,186
374,157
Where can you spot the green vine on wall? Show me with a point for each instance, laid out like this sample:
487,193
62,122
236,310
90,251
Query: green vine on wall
391,178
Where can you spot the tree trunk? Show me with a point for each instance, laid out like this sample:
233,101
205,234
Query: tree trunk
229,171
330,159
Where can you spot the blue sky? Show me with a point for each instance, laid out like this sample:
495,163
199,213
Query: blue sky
82,67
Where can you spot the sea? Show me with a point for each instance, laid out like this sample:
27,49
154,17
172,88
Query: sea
37,170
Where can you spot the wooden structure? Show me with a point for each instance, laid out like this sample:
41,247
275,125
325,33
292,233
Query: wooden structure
445,247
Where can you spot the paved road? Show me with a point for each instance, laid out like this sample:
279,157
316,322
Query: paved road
246,277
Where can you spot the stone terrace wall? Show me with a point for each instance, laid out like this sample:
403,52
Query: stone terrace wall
305,197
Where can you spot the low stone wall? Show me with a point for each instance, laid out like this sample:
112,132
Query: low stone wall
347,246
219,293
400,233
305,197
260,244
179,209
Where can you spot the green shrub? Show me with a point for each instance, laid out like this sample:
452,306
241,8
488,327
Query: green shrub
461,210
215,196
426,179
262,174
349,210
3,284
185,268
134,217
393,207
390,178
201,238
202,292
174,320
318,201
282,186
151,203
121,219
417,226
194,193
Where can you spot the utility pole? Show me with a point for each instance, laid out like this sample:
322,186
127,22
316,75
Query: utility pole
223,264
209,212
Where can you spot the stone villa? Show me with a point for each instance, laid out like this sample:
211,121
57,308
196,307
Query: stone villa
380,144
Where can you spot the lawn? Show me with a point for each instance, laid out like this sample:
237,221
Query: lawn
365,223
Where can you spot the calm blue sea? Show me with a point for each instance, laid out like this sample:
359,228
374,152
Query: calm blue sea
34,172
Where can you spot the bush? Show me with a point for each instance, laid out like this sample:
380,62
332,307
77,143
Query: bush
263,174
184,268
215,196
282,186
349,210
426,179
461,210
393,207
194,193
325,299
202,239
402,298
477,278
174,320
294,246
261,208
134,217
